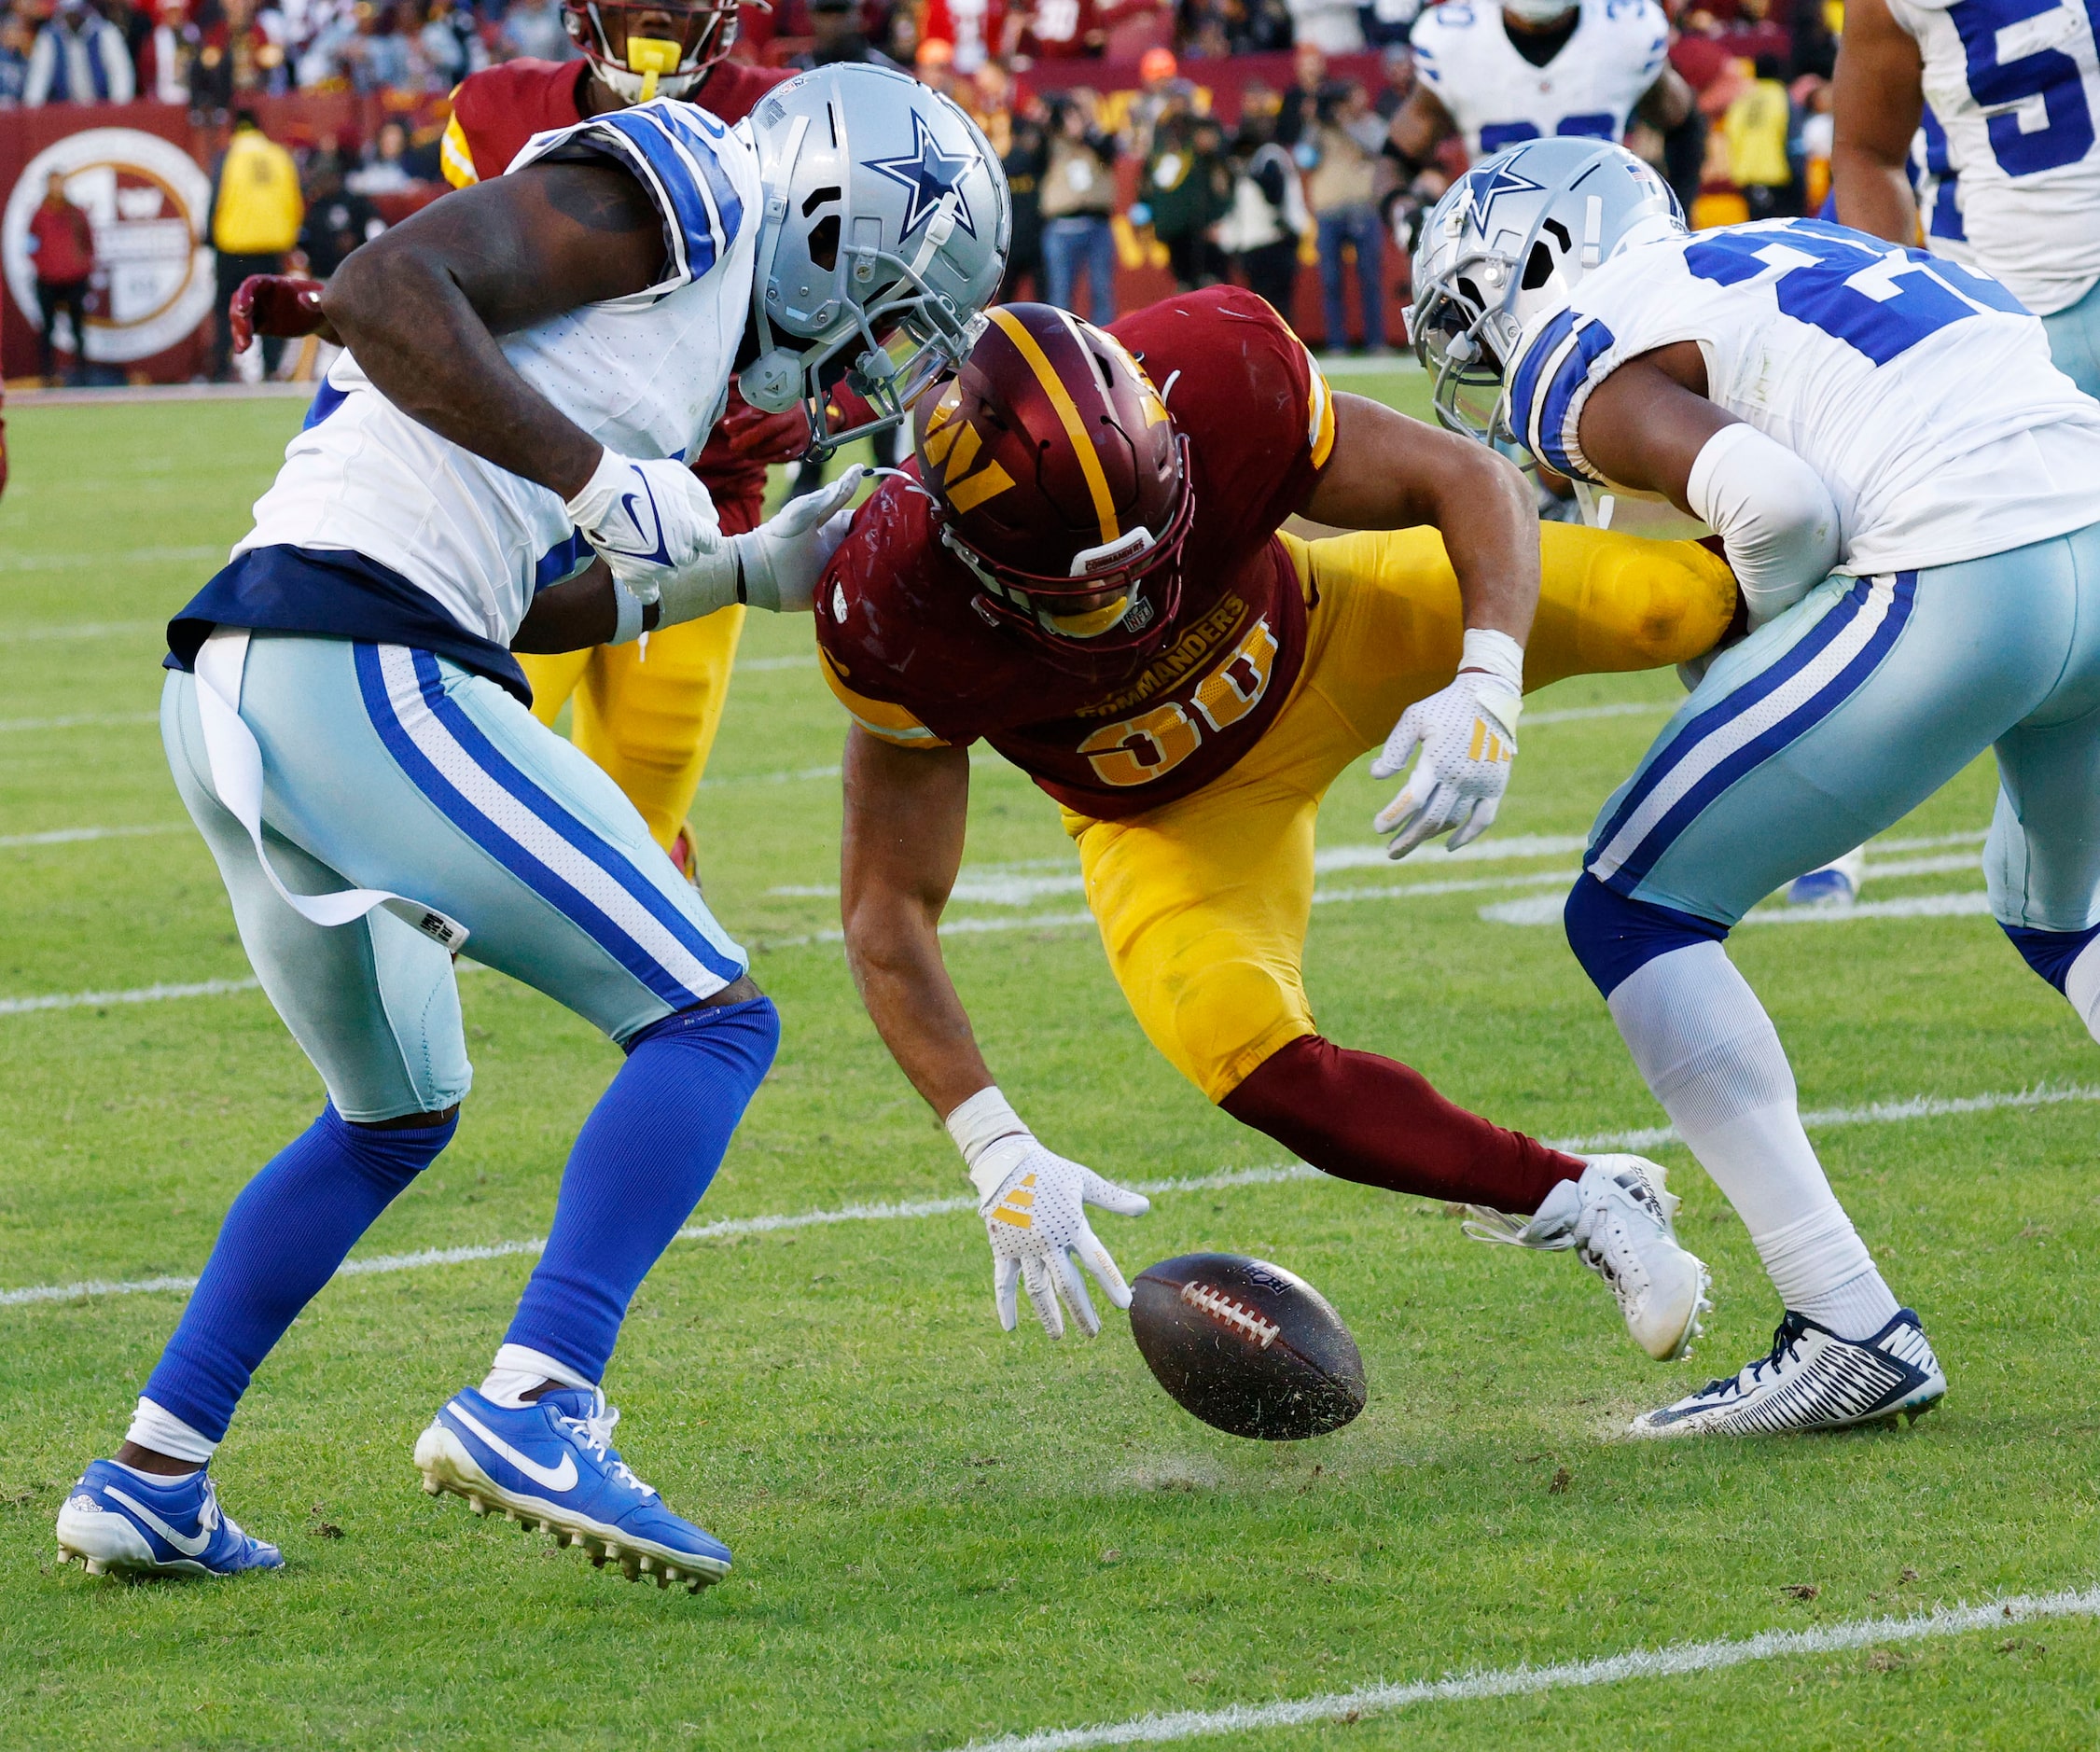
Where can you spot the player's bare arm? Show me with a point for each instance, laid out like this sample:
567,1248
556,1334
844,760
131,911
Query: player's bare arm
1668,103
421,306
1878,99
1387,471
1650,426
905,813
1419,127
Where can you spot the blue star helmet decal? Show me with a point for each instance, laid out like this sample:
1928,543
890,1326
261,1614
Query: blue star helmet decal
1482,187
929,173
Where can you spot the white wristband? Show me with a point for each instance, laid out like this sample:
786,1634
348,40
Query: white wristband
982,1120
628,614
1502,658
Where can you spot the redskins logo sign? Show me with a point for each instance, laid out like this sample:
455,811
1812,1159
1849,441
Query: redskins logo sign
147,201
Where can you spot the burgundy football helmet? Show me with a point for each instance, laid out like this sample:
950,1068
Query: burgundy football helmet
645,48
1062,486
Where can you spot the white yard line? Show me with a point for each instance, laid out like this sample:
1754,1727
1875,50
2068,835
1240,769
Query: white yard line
1578,714
1876,1113
95,720
71,836
1546,909
137,994
84,629
763,664
81,562
1673,1661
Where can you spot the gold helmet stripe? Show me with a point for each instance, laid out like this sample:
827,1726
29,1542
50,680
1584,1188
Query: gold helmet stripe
1067,413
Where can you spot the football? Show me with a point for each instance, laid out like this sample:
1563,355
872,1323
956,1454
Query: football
1249,1347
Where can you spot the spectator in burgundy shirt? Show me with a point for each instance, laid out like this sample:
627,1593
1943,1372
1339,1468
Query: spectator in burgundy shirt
62,247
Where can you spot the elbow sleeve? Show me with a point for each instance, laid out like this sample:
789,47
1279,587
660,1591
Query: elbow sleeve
1773,513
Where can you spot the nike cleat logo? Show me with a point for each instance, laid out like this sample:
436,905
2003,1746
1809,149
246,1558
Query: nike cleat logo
560,1478
190,1545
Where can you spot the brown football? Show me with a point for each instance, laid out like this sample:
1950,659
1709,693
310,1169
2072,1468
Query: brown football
1249,1347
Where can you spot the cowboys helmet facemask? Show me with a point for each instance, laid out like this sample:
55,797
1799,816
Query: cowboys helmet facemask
1508,244
886,232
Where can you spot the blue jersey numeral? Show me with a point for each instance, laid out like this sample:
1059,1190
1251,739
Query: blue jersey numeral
1878,299
2009,87
1593,125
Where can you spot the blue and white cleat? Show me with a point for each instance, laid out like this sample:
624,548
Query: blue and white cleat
552,1466
1812,1380
1835,885
115,1518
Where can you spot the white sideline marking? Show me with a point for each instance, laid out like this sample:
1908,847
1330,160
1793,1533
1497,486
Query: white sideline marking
1546,910
385,1263
138,994
90,720
69,836
1671,1662
1877,1113
86,630
1576,713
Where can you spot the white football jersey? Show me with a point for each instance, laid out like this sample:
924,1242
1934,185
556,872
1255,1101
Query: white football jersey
647,375
2012,96
1497,97
1918,389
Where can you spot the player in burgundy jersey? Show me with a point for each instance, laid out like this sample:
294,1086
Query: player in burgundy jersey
649,720
1084,570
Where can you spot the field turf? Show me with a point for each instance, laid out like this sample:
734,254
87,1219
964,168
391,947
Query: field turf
942,1533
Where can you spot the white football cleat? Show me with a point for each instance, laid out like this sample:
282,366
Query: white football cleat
1617,1219
1835,885
1812,1379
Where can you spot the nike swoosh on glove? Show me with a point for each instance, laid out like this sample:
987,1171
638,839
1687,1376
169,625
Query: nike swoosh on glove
1467,734
1035,1218
649,520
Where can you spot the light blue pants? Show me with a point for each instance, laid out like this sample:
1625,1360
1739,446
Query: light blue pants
1852,708
2074,340
387,767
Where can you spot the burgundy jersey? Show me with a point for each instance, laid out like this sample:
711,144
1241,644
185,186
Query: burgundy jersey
918,665
495,112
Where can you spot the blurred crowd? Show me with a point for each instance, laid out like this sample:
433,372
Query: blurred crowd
1133,169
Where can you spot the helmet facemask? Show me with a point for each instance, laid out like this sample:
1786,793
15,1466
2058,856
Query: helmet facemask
1112,605
631,51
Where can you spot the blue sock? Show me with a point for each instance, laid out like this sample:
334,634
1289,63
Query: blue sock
282,1239
640,1164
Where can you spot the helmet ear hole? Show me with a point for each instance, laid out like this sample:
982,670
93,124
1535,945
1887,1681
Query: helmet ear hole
823,243
1538,266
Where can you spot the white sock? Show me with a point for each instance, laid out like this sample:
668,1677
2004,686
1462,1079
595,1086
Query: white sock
2081,985
156,1427
1713,1059
517,1370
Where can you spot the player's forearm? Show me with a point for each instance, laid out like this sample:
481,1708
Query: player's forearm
571,617
1873,195
425,350
893,953
1485,512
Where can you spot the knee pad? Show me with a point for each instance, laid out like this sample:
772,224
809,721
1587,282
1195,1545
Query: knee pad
1613,937
2051,953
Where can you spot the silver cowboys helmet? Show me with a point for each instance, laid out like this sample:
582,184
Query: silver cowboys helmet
1509,244
885,233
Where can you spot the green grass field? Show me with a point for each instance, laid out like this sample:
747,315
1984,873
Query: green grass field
942,1533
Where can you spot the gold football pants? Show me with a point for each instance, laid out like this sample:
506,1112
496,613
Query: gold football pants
1202,903
647,720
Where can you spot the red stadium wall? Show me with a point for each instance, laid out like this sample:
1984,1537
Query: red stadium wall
143,173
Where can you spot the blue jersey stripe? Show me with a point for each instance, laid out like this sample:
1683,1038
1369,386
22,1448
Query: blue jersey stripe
564,560
729,208
1523,385
1592,340
535,875
672,160
1790,729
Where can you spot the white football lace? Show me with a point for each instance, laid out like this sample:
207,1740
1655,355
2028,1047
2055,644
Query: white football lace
595,1430
1242,1318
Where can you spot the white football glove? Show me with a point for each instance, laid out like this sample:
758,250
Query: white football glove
786,555
649,519
1031,1201
1467,732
